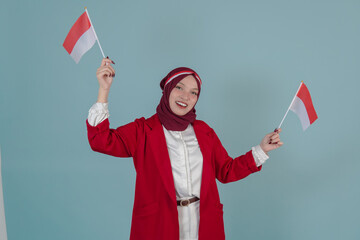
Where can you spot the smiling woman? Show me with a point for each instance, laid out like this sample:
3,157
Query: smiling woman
181,90
177,159
184,96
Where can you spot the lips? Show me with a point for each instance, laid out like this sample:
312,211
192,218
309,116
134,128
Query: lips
181,104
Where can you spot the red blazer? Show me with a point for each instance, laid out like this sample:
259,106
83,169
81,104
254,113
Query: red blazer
155,213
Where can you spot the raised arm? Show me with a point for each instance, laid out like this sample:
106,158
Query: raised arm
118,142
99,111
105,74
229,169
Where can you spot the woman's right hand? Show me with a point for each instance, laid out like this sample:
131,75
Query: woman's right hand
105,74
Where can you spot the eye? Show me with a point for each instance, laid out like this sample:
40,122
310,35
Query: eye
194,93
178,87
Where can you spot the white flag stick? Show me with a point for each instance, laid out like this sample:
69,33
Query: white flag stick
3,235
92,26
290,105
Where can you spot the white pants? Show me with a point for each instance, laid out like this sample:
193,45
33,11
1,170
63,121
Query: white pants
189,218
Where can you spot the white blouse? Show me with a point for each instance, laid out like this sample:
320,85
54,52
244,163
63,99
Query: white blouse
186,163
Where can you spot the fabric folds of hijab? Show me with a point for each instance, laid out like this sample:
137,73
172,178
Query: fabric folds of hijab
170,120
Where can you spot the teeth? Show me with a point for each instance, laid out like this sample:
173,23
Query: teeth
181,104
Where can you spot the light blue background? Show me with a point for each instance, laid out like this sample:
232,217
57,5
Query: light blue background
251,56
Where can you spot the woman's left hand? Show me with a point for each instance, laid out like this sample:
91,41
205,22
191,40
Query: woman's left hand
271,141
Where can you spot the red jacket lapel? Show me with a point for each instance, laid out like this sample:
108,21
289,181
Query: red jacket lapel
157,142
201,132
158,145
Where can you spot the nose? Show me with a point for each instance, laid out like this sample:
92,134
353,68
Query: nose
185,95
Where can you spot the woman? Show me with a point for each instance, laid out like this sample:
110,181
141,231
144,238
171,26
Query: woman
177,159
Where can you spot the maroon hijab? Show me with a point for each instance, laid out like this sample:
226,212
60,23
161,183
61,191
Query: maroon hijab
170,120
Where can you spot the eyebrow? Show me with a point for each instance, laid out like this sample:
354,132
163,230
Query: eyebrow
192,88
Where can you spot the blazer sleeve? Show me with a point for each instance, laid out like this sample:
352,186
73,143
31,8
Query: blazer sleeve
119,142
228,169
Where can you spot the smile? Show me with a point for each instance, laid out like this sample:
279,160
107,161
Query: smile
184,105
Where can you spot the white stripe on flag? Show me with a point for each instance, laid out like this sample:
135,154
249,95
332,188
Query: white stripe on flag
3,235
298,107
85,42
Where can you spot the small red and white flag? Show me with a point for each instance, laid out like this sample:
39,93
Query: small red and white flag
81,38
303,107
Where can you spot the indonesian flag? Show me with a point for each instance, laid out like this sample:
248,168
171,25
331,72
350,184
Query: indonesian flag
80,38
3,235
303,107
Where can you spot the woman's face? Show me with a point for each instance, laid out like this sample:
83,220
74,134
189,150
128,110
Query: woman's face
184,96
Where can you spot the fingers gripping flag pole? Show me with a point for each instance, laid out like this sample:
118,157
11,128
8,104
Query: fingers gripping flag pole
81,37
303,107
3,235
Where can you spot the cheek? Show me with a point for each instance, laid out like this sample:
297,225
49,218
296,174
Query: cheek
194,100
173,94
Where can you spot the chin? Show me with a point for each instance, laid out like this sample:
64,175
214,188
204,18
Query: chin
180,114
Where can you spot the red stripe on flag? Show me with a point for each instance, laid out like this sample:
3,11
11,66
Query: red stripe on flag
304,95
81,25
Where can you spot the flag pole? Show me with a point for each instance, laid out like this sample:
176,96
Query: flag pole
290,105
3,234
92,26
